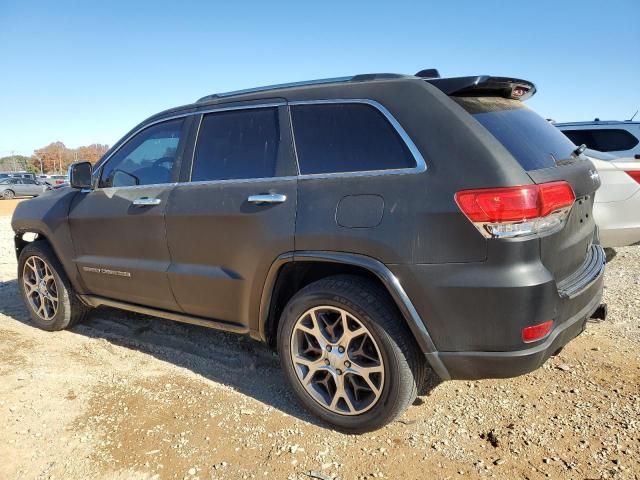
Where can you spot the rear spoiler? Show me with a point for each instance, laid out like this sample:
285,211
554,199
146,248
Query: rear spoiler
485,86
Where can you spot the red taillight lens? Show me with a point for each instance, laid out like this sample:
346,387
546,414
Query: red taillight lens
554,196
536,332
490,208
499,204
513,204
635,174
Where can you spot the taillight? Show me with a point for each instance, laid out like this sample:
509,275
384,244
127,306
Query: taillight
517,211
536,332
635,174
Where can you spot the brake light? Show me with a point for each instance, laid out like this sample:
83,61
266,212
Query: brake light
536,332
635,174
517,211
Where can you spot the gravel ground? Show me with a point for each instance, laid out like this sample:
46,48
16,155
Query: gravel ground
125,396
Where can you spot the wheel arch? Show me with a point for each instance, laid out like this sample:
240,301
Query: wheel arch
294,270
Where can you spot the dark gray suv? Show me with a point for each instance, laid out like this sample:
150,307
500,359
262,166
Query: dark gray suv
372,228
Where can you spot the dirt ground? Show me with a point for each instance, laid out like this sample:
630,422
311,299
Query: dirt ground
7,206
125,396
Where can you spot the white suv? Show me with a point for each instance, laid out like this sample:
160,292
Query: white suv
619,138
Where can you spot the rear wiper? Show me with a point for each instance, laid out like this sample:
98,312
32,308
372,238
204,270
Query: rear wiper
579,150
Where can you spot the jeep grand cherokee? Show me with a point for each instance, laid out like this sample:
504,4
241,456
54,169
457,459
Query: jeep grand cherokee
371,228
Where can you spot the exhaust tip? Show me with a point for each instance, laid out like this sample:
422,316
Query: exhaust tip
600,313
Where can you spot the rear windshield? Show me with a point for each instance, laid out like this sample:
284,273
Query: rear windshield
533,141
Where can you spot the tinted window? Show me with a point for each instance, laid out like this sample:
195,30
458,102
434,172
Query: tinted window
146,159
346,137
532,140
28,181
237,144
603,139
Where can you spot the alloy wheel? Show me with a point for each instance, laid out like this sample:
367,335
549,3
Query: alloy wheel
40,288
337,360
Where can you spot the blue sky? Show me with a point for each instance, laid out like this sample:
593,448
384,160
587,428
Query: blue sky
86,72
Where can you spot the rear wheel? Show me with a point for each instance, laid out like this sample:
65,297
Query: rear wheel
8,194
47,293
347,354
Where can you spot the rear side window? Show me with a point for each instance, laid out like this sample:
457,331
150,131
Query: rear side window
237,144
346,137
532,140
603,139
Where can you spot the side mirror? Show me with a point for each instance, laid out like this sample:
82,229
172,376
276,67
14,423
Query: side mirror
80,175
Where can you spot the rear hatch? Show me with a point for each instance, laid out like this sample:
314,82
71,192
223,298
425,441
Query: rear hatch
543,152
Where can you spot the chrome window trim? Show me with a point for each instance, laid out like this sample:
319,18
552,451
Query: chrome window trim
239,180
183,115
131,187
421,165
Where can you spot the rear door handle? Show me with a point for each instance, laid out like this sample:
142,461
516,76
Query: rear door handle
146,201
267,198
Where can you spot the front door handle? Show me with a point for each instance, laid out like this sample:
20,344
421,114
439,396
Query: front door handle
267,198
146,201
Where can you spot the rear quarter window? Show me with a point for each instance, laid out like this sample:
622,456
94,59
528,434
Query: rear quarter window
347,137
530,139
603,139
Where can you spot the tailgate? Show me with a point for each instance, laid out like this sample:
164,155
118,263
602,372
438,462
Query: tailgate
564,252
547,156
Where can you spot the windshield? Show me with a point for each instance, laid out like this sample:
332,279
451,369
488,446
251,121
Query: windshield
532,140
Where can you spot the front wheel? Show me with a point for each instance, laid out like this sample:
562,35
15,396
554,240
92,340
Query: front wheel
8,194
347,354
46,290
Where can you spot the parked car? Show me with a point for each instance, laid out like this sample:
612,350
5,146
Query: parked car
618,138
20,187
17,175
57,179
617,203
370,228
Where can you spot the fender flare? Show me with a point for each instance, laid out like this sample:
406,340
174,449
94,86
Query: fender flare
388,279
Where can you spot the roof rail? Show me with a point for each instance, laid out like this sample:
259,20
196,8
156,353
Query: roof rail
353,78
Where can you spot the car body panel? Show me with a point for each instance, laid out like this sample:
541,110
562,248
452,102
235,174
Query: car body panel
218,270
121,249
617,203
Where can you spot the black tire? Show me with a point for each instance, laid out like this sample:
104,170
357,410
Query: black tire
70,309
404,366
8,194
610,254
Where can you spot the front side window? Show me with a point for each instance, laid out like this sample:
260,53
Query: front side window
346,137
237,144
146,159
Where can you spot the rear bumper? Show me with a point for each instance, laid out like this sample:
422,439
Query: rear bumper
475,312
477,365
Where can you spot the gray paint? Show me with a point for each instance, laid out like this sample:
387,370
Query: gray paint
204,253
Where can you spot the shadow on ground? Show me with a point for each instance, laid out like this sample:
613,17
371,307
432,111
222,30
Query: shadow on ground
239,362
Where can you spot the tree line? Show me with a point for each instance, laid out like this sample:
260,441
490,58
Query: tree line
54,158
